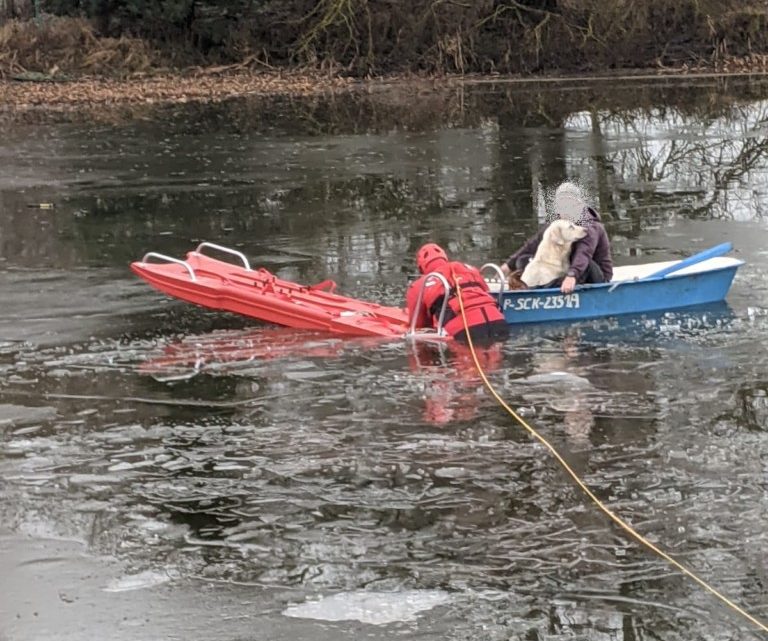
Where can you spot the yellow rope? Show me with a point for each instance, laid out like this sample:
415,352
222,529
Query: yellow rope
621,523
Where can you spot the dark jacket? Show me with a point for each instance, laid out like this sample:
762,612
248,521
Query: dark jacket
594,246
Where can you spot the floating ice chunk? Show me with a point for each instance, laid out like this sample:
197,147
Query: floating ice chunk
370,607
21,415
93,479
140,581
451,472
555,378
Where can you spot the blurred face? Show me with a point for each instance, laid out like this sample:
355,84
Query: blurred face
569,203
571,209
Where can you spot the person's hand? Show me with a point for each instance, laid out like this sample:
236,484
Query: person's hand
568,285
505,269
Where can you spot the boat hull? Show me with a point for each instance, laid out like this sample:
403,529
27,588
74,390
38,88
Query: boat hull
615,299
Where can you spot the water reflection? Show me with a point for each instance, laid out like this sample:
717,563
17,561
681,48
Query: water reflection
241,352
474,179
194,445
453,390
328,474
711,167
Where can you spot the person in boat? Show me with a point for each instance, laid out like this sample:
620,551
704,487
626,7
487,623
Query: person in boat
590,260
484,318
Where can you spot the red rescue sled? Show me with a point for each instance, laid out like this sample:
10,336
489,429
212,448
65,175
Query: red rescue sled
258,293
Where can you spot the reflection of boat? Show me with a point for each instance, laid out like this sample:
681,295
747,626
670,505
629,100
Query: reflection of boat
659,328
652,287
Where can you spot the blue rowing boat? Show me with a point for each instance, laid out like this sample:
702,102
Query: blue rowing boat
700,279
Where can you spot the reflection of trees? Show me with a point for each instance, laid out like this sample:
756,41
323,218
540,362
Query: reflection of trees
704,165
352,184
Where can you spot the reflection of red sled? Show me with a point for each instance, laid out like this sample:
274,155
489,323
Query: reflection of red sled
451,394
258,293
227,350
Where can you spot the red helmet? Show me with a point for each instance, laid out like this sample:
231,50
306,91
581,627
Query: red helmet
427,255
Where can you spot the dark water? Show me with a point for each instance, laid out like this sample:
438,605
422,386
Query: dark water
168,472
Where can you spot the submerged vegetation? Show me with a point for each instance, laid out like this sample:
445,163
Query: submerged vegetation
377,37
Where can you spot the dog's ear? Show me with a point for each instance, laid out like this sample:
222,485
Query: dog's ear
557,234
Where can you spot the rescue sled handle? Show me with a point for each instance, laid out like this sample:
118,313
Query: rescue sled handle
226,250
169,259
443,309
502,280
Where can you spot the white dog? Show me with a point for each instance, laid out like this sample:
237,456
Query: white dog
552,256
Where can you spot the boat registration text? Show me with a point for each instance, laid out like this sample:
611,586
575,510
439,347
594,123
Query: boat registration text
529,303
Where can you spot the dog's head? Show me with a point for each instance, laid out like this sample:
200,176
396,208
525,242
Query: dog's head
564,232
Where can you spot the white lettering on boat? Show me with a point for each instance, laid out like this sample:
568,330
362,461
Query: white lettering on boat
533,303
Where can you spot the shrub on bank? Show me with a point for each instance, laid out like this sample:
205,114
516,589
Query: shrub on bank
58,46
379,36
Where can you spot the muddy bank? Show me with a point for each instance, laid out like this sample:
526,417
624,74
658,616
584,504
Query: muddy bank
93,92
96,91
